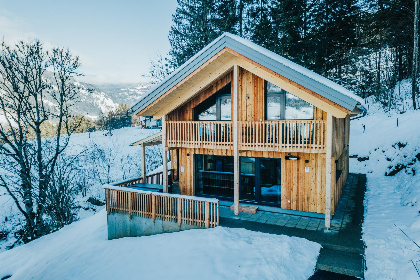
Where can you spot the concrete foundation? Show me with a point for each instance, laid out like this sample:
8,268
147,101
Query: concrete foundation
120,225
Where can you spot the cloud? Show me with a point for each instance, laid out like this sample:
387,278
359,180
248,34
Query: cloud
13,29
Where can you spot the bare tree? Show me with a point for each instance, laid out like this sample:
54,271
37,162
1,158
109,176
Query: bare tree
160,68
28,100
415,53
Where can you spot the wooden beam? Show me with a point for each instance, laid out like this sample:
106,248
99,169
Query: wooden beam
143,163
235,140
164,156
328,166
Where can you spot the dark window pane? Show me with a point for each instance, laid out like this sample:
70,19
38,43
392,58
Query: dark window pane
208,114
214,175
270,173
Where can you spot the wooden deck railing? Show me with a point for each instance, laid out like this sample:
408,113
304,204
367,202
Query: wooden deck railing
287,136
188,210
300,136
156,178
199,134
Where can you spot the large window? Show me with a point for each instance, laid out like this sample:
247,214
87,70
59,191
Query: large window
282,105
214,175
216,108
260,178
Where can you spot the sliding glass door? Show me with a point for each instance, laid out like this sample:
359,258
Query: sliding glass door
260,178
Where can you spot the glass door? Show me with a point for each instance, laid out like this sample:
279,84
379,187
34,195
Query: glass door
260,180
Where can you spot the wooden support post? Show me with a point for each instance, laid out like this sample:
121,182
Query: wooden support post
235,141
164,156
130,205
153,198
207,214
328,165
143,163
179,210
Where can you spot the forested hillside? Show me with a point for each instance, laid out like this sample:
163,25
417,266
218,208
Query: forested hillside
367,45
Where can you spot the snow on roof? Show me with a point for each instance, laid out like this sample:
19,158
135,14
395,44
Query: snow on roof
308,73
264,57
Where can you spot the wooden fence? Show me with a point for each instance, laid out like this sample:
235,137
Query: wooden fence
288,136
188,210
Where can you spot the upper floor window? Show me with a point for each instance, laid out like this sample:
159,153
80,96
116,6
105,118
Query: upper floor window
282,105
216,108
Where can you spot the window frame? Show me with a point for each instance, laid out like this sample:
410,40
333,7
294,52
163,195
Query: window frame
216,99
282,96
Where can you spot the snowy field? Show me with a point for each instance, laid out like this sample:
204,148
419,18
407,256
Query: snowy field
81,251
105,158
392,203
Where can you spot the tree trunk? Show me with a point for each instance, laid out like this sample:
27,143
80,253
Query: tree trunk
415,53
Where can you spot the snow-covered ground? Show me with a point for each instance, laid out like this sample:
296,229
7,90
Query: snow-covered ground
82,251
106,158
392,203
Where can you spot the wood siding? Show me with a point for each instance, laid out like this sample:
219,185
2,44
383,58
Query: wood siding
301,189
186,112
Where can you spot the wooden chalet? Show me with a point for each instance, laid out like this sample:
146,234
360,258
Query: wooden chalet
245,124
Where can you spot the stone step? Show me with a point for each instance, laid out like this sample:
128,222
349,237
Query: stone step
341,262
343,248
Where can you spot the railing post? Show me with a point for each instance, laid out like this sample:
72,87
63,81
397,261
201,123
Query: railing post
179,210
152,197
107,200
207,215
143,162
130,205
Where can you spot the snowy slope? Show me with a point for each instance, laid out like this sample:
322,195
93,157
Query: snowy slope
105,159
82,251
392,203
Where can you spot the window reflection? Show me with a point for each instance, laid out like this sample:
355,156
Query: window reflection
282,105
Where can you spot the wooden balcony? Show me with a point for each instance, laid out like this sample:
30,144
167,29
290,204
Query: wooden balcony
281,136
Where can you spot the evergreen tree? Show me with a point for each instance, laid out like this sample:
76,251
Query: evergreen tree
192,30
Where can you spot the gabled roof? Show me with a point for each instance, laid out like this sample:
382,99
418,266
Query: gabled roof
276,63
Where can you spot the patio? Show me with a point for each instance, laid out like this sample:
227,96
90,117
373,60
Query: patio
343,247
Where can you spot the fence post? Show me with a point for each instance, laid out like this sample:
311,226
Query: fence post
179,212
130,206
207,215
153,207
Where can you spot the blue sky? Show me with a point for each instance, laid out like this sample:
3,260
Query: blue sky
115,39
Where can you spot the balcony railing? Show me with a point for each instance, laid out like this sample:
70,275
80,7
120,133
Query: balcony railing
290,136
285,136
199,134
